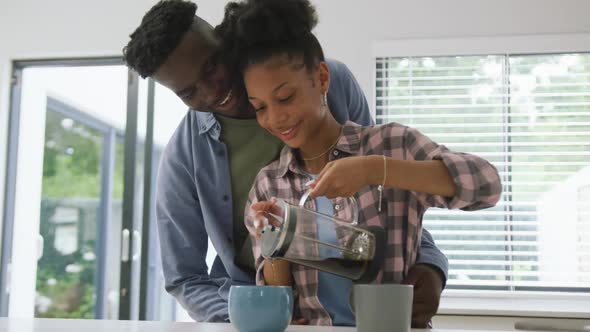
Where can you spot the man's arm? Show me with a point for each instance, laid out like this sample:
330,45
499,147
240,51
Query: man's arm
184,240
430,255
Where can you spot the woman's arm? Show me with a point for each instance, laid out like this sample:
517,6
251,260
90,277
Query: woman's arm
425,176
436,175
429,177
477,182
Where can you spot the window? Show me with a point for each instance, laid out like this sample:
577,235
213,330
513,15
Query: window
529,115
79,162
65,184
82,154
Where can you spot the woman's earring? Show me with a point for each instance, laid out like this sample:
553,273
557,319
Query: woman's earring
325,99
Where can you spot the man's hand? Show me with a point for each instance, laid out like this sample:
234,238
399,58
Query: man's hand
428,286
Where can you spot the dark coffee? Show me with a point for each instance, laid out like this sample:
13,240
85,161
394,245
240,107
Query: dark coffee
351,269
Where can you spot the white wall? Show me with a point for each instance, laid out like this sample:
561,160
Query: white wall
69,28
27,202
3,139
348,28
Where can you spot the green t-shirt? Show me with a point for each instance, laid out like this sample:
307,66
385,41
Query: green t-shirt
250,148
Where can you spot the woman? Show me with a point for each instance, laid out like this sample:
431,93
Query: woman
395,172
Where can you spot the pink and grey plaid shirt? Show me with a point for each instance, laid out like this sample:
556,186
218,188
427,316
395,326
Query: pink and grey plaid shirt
477,181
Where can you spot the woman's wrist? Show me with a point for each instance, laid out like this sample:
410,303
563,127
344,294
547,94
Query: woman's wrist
374,170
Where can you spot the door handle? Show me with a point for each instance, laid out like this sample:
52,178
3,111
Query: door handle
8,278
40,245
125,246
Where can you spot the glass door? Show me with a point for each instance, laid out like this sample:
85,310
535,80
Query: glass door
66,180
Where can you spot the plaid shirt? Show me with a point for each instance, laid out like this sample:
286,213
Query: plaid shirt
477,183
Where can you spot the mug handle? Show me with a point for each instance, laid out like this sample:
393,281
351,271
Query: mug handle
353,203
351,301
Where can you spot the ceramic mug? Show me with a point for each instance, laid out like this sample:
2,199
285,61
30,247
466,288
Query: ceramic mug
260,308
382,307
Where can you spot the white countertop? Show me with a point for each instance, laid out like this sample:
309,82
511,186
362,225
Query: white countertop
506,304
71,325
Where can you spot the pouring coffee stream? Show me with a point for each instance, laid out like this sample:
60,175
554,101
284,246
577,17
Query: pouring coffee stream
355,252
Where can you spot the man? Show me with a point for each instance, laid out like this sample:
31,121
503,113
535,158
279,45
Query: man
211,160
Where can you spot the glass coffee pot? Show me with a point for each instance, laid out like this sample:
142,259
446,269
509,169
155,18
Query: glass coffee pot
323,242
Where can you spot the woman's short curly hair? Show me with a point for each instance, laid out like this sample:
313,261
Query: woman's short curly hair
254,30
159,33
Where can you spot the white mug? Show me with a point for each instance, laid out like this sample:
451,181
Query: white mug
383,307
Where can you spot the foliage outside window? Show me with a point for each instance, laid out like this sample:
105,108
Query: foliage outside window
69,217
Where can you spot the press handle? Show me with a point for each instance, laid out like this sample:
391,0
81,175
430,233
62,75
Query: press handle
353,203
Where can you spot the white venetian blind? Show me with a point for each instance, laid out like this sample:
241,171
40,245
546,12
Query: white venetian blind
529,116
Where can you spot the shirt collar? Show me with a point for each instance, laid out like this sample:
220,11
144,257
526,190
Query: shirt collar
206,121
350,141
349,144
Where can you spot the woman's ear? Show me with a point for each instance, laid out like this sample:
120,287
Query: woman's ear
324,77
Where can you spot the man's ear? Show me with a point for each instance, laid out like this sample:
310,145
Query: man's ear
324,76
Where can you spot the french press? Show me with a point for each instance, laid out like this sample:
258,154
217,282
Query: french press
323,242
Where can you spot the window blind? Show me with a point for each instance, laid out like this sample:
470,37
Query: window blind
529,115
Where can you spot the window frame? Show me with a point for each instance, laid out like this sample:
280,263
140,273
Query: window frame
140,304
525,303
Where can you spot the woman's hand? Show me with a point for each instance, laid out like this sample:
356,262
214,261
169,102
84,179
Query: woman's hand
345,177
267,213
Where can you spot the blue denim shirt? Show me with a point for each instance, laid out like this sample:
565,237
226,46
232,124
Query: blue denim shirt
194,202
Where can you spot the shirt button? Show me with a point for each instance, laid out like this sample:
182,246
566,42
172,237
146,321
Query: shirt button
225,198
337,207
335,152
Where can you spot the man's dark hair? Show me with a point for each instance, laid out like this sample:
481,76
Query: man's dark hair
159,33
254,30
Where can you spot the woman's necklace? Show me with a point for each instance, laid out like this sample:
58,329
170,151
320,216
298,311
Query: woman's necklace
327,150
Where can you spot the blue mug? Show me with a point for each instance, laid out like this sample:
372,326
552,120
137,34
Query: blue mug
260,308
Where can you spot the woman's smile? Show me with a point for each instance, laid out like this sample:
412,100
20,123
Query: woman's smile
288,133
